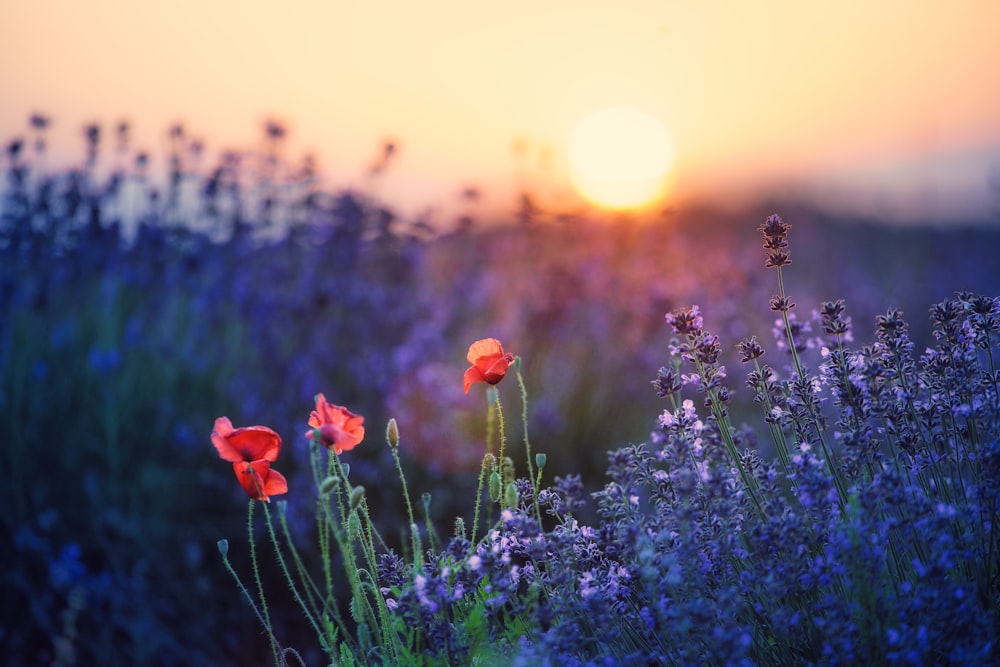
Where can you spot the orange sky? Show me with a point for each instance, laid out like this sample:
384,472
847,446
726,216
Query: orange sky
890,104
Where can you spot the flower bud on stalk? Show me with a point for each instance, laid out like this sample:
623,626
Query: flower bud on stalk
392,433
510,496
329,485
494,486
357,495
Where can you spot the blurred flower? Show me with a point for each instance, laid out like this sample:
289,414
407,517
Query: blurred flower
39,121
437,419
489,362
274,129
14,148
251,449
338,427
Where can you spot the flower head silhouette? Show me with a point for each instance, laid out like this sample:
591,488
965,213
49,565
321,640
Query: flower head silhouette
489,362
251,449
339,428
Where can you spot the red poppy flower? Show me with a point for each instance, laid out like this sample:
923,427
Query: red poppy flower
340,429
251,449
489,362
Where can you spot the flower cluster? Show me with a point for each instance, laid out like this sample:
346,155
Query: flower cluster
869,539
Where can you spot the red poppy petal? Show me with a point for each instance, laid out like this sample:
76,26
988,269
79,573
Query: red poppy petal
341,439
472,376
224,427
487,347
351,422
259,481
245,473
323,406
496,370
276,484
256,443
329,413
354,438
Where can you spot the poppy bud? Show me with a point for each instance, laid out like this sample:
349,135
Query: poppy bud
494,486
460,527
357,495
510,496
540,460
392,433
346,468
223,547
329,485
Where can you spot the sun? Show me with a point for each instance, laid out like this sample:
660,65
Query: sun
620,158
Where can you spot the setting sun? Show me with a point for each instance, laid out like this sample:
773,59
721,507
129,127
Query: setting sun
620,158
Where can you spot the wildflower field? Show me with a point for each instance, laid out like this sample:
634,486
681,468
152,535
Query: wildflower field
247,421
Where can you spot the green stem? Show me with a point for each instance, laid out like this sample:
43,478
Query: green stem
246,593
725,429
288,574
260,585
788,328
319,606
479,496
503,442
527,442
777,435
490,417
414,539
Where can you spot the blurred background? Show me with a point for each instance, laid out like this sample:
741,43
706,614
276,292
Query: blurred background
225,209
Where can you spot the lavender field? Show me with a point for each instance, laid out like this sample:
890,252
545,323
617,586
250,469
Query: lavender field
715,456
